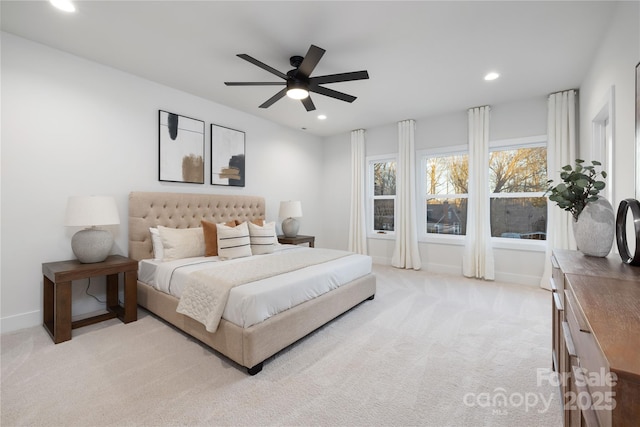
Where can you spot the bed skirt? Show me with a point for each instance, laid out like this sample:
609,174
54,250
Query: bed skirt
250,347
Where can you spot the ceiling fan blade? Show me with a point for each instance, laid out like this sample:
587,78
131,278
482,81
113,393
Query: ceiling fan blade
310,60
255,83
342,77
332,93
262,65
269,102
308,103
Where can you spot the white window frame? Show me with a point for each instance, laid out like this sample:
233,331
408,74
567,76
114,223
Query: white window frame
603,141
421,176
514,144
371,233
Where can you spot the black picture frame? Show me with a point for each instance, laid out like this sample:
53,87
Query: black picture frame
180,148
227,156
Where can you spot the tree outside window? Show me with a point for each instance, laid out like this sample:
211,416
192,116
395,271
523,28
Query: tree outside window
447,182
517,180
384,195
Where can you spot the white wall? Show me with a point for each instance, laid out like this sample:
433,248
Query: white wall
75,127
335,192
513,120
614,66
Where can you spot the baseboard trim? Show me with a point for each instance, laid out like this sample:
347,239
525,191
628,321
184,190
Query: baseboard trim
20,321
456,270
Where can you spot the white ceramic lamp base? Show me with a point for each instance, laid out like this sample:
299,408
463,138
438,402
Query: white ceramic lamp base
290,227
91,245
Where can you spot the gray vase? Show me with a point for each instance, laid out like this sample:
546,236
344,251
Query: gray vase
595,228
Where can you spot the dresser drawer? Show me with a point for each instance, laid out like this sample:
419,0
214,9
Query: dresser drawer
557,277
583,400
558,359
557,341
591,375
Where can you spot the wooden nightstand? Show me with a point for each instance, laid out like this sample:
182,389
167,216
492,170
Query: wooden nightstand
298,240
57,277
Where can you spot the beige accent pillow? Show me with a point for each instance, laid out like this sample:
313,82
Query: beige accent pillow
181,242
233,242
262,238
211,236
258,221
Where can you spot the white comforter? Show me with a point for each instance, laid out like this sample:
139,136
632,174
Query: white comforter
256,301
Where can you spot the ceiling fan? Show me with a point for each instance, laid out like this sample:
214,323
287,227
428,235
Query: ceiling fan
298,81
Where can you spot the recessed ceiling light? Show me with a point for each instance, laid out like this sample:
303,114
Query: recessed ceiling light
322,117
491,76
64,5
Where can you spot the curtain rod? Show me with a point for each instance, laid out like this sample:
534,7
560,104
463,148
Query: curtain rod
479,106
575,91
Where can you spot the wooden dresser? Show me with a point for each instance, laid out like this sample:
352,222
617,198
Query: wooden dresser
596,339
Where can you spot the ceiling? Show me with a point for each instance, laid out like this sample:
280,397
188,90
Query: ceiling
424,58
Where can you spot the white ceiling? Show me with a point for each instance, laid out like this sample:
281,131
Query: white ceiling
423,57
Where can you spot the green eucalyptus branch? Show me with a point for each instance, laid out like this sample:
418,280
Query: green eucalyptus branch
580,186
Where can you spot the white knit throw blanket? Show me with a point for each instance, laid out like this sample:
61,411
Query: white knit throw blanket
206,293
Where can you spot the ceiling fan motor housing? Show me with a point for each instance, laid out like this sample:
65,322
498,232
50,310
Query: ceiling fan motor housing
296,60
296,80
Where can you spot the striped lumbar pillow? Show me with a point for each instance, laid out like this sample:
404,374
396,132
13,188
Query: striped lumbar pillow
233,242
262,238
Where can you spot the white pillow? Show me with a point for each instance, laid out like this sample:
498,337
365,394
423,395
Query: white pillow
156,242
233,242
262,238
181,242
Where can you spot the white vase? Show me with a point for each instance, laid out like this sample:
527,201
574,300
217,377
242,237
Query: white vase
595,228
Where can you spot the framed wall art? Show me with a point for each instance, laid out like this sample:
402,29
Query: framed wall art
181,145
227,156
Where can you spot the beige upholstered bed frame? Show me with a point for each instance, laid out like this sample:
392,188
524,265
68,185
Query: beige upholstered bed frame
249,347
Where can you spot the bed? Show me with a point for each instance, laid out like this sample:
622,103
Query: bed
251,344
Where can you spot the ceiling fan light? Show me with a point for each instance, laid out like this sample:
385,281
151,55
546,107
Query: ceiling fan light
297,89
297,93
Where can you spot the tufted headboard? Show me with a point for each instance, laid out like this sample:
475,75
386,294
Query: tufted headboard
183,210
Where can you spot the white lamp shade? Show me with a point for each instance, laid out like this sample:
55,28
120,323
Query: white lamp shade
88,211
290,209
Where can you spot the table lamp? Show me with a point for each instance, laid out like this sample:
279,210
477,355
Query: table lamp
91,244
290,211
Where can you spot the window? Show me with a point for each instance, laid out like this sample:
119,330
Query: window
518,180
382,195
445,180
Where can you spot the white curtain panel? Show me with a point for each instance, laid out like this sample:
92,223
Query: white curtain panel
478,260
406,253
561,150
357,227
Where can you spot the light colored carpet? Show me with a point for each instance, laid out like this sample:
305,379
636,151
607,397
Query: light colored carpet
430,350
